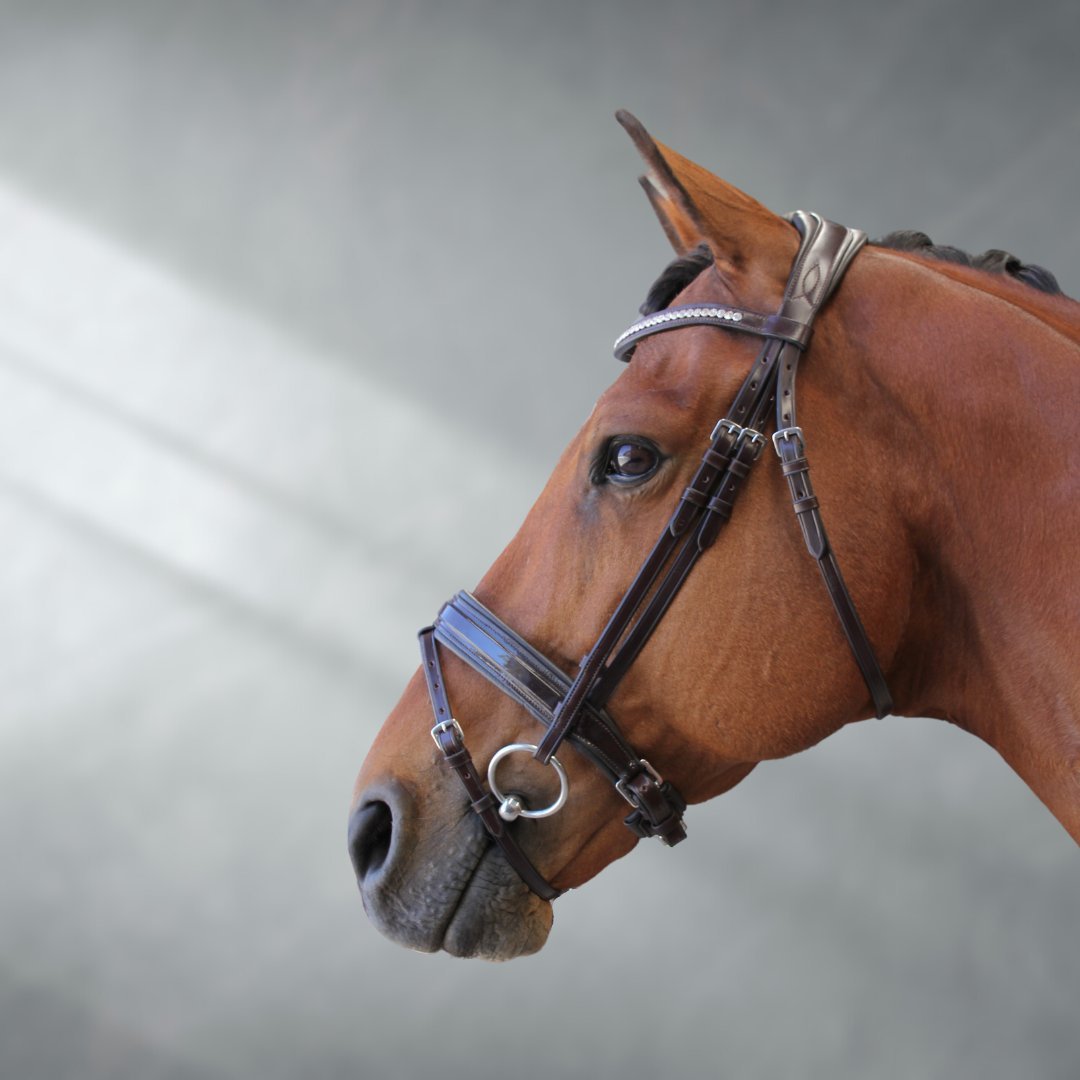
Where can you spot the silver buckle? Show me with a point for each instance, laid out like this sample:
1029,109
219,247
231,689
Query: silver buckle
739,433
788,433
620,785
756,440
735,429
447,725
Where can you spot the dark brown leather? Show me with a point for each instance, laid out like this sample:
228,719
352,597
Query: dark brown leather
490,647
826,252
448,738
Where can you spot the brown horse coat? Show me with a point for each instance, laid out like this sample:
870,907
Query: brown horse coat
939,404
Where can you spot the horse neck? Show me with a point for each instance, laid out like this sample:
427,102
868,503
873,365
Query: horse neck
969,388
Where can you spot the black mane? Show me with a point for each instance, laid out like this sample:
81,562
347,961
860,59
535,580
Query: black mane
995,261
681,271
676,276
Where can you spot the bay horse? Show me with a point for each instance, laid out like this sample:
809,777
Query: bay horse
940,408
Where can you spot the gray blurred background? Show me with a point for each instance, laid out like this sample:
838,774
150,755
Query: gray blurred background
236,240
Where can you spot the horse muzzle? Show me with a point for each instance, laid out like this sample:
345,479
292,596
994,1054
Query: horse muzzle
433,882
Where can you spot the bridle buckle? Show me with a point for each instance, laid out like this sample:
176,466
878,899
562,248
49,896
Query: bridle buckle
447,725
740,434
755,439
624,791
730,425
788,433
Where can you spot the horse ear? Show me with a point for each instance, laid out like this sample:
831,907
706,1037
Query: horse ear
695,207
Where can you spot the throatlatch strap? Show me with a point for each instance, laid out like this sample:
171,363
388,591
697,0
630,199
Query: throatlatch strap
790,447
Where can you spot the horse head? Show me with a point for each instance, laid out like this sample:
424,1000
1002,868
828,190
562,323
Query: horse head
749,663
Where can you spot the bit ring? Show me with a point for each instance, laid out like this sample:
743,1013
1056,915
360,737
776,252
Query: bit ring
512,806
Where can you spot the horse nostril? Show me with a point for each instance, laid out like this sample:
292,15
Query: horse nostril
369,837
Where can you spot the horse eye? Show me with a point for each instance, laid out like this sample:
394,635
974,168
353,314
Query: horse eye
630,461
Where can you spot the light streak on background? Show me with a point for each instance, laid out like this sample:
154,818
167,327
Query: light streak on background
249,441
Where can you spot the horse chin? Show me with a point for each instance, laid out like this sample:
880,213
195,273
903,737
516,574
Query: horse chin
497,916
457,893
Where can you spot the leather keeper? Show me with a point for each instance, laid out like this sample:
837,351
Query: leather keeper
694,497
793,330
721,506
739,468
670,828
487,801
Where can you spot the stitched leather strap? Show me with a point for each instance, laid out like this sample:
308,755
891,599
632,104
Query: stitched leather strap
489,646
450,741
716,513
831,249
796,469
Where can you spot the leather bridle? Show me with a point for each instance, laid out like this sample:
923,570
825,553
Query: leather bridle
575,709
